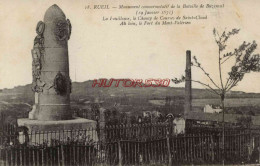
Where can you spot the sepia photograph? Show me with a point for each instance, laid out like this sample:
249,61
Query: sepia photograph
133,82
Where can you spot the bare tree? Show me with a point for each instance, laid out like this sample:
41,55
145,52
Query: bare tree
245,62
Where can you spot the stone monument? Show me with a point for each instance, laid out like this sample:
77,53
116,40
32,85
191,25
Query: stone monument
51,80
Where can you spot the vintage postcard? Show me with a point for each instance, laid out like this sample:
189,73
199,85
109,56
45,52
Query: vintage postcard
133,82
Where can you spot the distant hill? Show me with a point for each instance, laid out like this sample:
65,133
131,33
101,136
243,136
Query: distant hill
18,101
81,90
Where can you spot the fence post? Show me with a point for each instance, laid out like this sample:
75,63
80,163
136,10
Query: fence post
62,156
169,150
258,148
6,157
212,148
42,156
58,154
119,153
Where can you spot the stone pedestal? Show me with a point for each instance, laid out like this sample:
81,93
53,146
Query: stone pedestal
39,132
51,119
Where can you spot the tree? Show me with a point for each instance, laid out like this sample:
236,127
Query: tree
245,61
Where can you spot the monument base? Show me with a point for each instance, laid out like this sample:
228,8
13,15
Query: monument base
48,132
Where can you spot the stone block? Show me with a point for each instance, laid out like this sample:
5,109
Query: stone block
39,132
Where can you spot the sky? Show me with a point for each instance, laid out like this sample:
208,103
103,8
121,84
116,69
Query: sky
99,49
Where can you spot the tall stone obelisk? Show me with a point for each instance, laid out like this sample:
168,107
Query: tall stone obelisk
51,81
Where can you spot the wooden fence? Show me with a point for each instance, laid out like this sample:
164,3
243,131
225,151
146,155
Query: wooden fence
54,155
111,133
147,131
176,149
134,144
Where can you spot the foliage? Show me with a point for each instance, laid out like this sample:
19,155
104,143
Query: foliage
244,121
245,62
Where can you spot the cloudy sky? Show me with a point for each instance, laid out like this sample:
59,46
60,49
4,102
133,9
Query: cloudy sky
99,49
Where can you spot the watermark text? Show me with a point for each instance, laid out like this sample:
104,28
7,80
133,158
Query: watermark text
131,82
